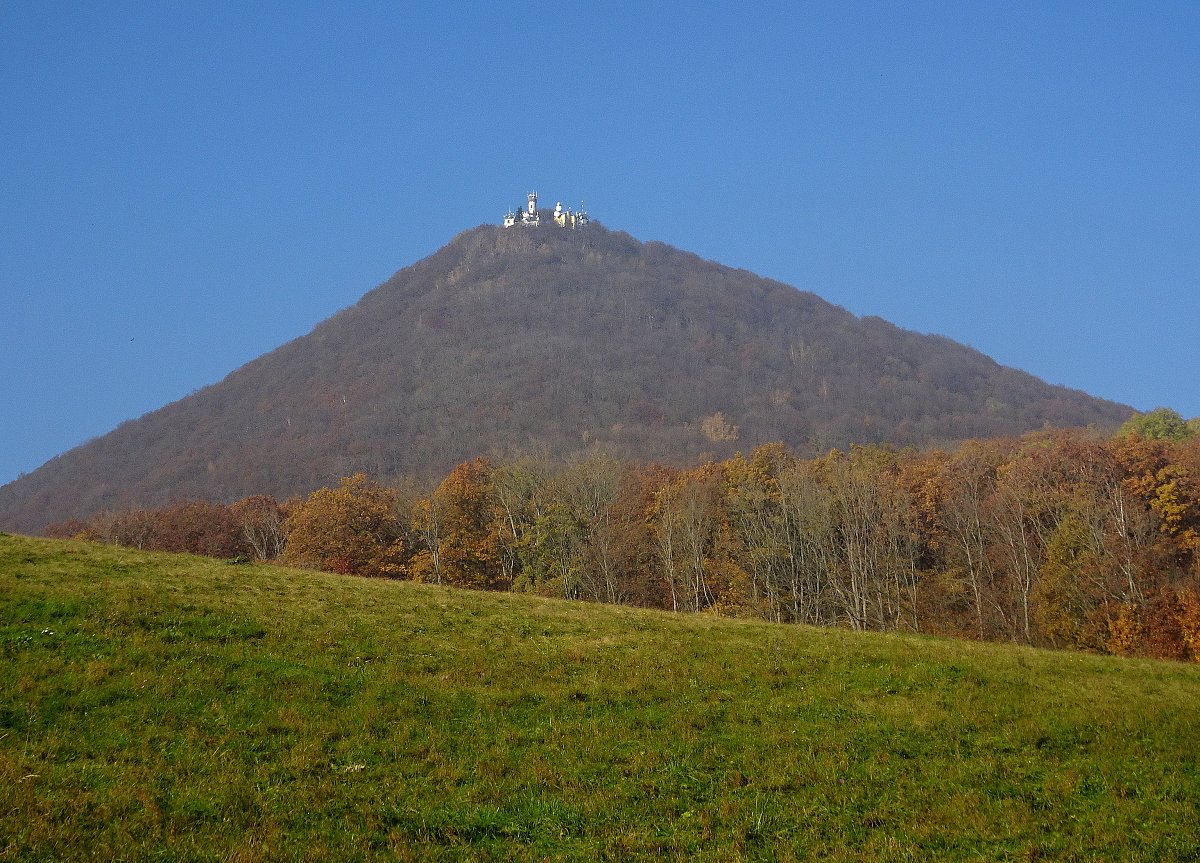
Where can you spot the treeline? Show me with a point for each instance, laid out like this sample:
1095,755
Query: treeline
1054,538
253,528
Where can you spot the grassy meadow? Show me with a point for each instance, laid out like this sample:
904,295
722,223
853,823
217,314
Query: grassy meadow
164,707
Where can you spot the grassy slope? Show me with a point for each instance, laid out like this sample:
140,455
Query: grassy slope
169,707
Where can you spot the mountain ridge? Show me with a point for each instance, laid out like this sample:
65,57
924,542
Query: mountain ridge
509,339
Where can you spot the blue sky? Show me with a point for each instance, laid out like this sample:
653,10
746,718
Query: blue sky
184,187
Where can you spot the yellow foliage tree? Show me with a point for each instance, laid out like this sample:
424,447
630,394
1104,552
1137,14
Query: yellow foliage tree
1125,631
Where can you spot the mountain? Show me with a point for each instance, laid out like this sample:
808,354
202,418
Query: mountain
512,339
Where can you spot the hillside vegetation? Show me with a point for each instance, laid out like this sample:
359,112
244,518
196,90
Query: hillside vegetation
172,707
554,341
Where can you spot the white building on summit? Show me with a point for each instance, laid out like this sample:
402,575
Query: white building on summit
530,217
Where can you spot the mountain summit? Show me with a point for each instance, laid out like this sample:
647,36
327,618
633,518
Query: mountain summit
542,337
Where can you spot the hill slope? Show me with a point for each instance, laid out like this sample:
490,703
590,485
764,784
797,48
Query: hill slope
174,707
552,339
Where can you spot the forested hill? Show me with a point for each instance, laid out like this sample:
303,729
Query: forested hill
555,340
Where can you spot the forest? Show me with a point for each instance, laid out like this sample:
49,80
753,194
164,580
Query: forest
1056,538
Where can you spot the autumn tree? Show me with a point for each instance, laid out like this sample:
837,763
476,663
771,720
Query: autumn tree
1024,513
1061,598
588,489
196,527
425,528
352,529
460,531
586,533
1077,541
551,550
629,534
519,493
753,507
808,526
687,518
781,526
958,496
873,553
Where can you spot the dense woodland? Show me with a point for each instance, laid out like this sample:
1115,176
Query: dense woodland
512,340
1058,538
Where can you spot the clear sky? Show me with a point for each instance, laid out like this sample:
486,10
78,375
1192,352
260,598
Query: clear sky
185,186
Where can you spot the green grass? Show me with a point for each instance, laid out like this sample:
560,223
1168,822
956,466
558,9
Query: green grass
178,708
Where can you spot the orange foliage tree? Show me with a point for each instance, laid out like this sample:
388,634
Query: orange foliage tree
460,531
353,529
